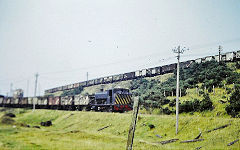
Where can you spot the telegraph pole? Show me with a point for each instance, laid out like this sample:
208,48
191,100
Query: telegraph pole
35,91
179,51
27,88
219,52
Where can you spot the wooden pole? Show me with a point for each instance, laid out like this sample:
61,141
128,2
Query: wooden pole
213,90
133,124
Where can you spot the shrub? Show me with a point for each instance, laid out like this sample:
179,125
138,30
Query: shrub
206,103
233,108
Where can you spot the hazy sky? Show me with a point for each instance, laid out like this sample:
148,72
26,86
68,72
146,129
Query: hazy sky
64,39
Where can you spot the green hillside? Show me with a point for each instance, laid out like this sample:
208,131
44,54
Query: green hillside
209,104
78,130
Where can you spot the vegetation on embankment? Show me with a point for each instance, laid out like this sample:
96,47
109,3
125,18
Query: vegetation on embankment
208,86
78,130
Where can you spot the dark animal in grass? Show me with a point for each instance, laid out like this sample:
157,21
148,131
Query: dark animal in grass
46,124
36,127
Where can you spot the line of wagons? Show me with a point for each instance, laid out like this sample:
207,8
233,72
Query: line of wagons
113,100
150,72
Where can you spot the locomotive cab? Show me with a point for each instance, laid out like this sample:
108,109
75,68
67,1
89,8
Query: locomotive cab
116,99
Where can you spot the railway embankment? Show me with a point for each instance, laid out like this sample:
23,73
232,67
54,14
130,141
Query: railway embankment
80,130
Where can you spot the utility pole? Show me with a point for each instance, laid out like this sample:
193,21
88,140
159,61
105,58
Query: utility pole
35,91
179,51
219,52
39,89
27,88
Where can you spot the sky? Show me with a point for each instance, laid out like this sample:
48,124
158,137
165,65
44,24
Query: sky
62,40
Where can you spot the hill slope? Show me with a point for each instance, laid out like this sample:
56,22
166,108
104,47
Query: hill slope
78,130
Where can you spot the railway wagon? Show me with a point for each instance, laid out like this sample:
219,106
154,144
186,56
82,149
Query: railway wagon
140,73
54,102
42,102
158,70
65,87
70,86
186,64
76,85
82,102
7,102
169,68
83,84
150,72
67,102
199,60
209,58
118,77
230,56
107,79
23,102
14,102
90,82
55,90
31,101
129,75
237,56
99,81
59,88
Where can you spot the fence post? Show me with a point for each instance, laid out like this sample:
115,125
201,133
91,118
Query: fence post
133,124
213,90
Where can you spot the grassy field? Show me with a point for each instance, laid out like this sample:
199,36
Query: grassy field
78,130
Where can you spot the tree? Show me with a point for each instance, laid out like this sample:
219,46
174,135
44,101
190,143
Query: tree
233,108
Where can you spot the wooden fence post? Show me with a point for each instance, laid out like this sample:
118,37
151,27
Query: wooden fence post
213,90
133,124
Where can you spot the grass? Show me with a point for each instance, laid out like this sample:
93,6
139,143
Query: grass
78,130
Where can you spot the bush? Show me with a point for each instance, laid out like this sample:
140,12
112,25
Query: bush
206,103
233,108
166,111
196,105
189,106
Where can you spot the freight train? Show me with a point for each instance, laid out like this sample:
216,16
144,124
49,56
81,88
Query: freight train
112,100
150,72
